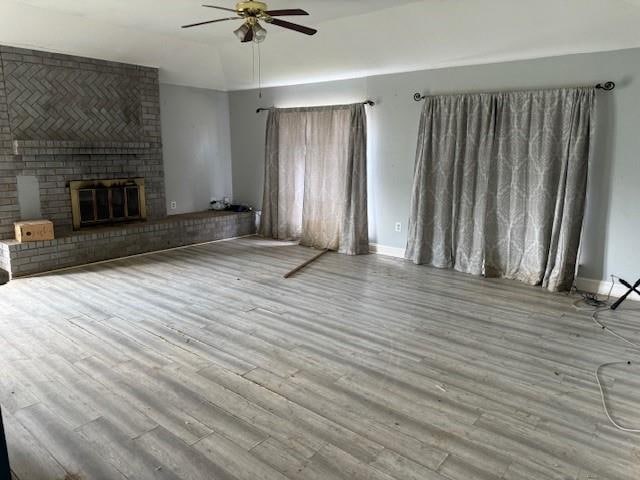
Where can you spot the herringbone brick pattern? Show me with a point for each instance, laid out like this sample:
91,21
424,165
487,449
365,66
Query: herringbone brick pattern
60,103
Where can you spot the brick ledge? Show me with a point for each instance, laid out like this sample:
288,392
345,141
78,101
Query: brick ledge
70,147
95,245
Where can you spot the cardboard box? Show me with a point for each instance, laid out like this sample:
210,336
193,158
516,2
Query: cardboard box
34,231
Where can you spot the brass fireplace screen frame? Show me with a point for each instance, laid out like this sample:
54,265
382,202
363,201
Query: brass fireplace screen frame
101,194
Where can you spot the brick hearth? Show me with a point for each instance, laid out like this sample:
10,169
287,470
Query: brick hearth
93,245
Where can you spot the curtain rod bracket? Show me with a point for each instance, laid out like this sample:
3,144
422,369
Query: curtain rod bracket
371,103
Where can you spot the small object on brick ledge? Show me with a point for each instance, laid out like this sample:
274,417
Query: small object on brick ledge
34,231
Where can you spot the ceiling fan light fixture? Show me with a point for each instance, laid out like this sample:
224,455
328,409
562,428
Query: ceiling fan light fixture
259,33
251,13
242,31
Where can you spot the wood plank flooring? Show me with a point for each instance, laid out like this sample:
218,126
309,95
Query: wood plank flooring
204,363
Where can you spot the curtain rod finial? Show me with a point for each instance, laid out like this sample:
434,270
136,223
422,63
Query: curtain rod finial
418,97
607,86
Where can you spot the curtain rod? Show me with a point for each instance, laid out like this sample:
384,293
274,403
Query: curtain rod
606,86
371,103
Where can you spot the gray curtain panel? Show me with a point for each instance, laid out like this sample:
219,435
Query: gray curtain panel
500,184
315,188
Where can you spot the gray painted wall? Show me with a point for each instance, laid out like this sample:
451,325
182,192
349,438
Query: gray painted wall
612,226
196,146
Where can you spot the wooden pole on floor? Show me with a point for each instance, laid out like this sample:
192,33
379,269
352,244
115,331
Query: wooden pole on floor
308,262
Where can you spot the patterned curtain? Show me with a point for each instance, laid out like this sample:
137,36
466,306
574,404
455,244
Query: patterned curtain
500,184
315,186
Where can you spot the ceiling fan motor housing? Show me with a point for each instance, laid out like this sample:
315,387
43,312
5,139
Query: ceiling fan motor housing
251,8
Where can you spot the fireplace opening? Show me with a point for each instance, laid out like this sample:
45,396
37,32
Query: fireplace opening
97,202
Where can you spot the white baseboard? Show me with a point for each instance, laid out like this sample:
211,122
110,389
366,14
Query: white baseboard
388,251
601,287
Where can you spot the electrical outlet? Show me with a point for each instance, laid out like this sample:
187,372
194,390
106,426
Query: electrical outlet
398,227
173,205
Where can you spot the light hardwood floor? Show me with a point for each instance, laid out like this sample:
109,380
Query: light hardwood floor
203,363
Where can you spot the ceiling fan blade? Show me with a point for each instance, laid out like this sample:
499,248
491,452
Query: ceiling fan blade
283,13
293,26
248,37
221,8
211,21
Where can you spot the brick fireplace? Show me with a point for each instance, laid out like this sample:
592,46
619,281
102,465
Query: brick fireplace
69,122
64,119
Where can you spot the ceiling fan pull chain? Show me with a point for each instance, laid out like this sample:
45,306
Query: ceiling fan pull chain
253,62
259,72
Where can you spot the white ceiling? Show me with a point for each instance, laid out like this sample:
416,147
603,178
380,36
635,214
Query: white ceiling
165,16
357,37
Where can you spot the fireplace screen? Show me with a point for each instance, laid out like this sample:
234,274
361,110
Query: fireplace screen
107,201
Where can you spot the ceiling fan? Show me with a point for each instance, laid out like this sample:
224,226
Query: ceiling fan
254,12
